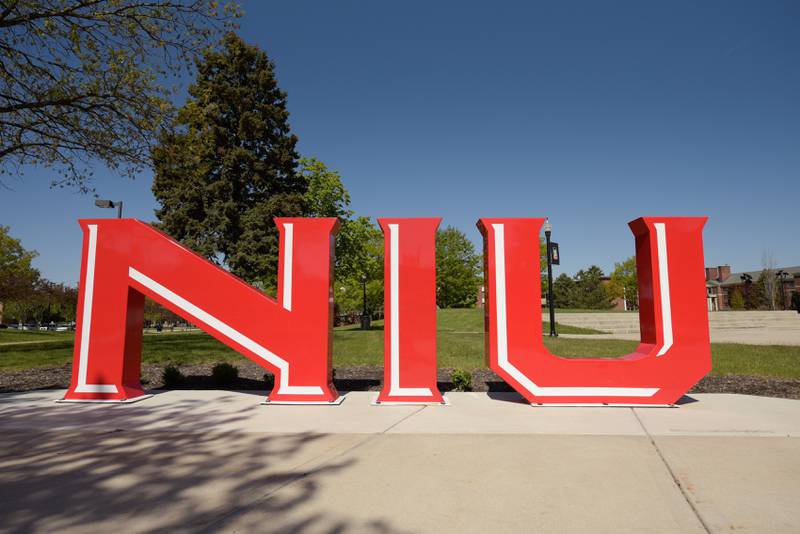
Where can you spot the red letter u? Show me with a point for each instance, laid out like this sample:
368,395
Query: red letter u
674,352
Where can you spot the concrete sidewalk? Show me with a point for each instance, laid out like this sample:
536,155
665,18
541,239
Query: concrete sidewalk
214,460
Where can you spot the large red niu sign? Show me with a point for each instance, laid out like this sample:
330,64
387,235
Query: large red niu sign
125,260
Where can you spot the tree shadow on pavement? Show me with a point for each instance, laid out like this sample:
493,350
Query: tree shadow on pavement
123,473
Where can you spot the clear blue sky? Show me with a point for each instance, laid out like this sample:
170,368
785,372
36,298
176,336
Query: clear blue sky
592,113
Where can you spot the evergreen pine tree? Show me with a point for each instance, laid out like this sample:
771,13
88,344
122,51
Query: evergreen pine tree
228,165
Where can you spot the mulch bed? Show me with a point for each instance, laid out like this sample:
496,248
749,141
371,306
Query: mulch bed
366,378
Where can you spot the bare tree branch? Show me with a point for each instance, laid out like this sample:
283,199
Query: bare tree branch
86,80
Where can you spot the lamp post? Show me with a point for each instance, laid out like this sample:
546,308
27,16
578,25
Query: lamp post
110,204
548,228
364,315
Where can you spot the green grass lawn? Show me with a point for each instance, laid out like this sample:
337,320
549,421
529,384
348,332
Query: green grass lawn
459,343
18,336
587,310
471,320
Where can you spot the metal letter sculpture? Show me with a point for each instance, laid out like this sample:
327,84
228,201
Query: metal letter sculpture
674,352
409,368
125,259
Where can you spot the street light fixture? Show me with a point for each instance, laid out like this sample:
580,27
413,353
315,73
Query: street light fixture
110,204
548,228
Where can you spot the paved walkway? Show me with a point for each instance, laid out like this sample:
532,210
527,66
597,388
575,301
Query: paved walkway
214,460
747,327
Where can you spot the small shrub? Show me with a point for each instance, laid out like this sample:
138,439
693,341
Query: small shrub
172,376
462,380
224,374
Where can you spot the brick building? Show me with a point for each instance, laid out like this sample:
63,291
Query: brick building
721,283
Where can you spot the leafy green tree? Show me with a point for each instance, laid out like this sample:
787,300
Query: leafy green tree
18,277
83,80
62,302
359,249
326,195
590,289
543,268
564,291
359,259
46,302
348,295
39,306
228,165
359,244
27,310
737,299
623,283
457,269
543,257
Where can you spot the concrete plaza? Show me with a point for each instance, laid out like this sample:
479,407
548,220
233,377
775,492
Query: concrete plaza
747,327
220,461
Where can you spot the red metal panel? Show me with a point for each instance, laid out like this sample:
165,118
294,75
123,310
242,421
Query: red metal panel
674,352
125,259
410,310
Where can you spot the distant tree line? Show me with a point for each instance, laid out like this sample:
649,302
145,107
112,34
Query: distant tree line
585,289
590,288
26,297
763,293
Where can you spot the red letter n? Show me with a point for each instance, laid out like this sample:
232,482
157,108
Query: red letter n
125,260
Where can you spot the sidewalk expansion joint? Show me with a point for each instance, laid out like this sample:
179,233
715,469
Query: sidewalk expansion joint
412,414
672,473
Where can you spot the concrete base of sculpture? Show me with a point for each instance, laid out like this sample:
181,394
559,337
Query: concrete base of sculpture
103,401
603,405
445,402
336,402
